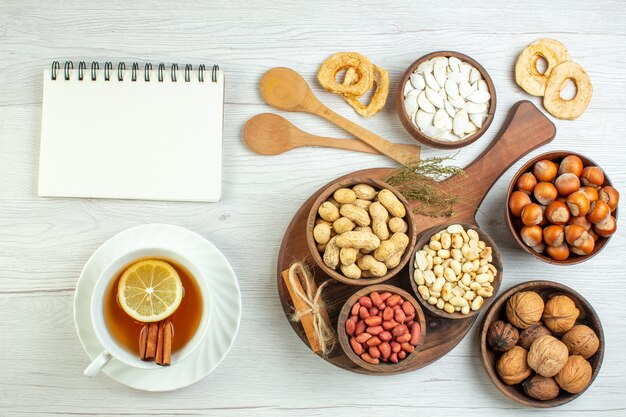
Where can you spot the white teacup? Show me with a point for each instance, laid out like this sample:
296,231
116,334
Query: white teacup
112,349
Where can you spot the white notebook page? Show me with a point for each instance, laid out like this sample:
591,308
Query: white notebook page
138,140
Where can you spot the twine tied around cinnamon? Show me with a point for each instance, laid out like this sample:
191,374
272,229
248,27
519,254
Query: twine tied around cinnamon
323,331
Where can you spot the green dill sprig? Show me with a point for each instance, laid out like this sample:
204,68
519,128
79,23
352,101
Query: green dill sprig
420,182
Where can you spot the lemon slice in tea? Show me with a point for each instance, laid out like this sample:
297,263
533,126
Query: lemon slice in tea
150,290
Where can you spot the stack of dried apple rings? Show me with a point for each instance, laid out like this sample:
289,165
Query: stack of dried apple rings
560,69
360,76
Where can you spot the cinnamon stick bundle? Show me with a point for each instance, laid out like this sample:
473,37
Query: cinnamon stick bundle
155,342
309,307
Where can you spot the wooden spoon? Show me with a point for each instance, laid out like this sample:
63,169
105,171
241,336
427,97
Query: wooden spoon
271,134
285,89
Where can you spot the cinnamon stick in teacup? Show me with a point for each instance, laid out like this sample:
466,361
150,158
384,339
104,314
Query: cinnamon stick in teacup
143,341
151,341
164,343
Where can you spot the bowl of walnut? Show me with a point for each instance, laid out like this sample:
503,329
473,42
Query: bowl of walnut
360,231
542,344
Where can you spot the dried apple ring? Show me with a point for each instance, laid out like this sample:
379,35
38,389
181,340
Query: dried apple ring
552,100
528,76
379,98
327,74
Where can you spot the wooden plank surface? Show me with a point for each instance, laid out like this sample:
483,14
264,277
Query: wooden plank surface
45,242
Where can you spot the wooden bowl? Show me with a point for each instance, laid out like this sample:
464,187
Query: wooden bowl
514,224
327,193
381,368
405,118
497,262
546,289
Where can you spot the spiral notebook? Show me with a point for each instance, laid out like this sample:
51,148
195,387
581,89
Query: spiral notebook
141,132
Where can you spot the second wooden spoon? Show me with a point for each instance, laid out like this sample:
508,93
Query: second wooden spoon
271,134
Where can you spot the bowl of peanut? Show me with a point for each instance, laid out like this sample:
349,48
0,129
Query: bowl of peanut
379,328
360,231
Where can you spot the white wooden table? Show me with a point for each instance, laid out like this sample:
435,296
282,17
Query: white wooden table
44,243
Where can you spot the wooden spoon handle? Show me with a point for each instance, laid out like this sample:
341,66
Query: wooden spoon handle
354,145
401,154
525,129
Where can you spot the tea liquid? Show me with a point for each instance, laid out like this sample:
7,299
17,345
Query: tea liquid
186,319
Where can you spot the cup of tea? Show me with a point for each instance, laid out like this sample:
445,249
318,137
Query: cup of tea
121,335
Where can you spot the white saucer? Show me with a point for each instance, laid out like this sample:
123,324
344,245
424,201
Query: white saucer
226,305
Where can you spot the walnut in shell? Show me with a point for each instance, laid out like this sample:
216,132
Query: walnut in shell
581,340
513,367
502,336
541,388
560,314
575,375
532,333
524,309
547,356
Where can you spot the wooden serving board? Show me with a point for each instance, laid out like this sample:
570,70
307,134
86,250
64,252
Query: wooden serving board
525,129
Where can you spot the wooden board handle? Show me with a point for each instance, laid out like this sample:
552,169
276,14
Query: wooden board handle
525,129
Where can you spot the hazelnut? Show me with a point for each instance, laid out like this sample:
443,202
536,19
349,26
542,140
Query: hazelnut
526,182
502,336
554,235
524,309
598,211
547,355
532,214
539,248
517,202
581,340
557,212
544,221
545,193
575,376
541,388
560,314
513,367
586,247
578,203
575,235
567,183
532,333
606,228
610,195
594,235
591,193
592,176
545,170
581,221
558,253
531,235
571,164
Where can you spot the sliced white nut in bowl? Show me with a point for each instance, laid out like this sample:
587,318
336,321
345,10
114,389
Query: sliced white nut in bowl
453,93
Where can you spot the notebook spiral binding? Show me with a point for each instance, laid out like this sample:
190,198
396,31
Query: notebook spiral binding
68,66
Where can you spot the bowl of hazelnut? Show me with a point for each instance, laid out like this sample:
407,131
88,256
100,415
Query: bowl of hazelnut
542,344
561,208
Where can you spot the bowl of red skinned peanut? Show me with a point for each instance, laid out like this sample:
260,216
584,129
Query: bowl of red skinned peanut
380,327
